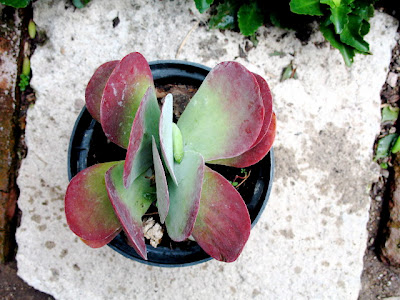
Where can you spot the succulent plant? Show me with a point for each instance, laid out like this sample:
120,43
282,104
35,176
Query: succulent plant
229,121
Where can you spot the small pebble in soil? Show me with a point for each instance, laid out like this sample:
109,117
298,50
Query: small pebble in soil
392,79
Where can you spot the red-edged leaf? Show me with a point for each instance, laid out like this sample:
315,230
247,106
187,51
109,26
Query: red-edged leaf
225,116
255,154
95,88
101,243
184,198
267,102
138,156
222,226
122,95
131,204
165,131
88,209
161,184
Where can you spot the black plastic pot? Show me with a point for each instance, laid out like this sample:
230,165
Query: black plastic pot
88,146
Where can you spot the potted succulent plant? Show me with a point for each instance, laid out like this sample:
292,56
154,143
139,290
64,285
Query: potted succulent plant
229,121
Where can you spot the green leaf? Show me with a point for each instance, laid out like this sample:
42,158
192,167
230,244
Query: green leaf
306,7
203,5
249,18
32,29
225,116
26,66
223,224
161,184
337,3
287,72
185,197
80,3
331,3
122,96
130,204
88,209
177,143
225,17
396,146
346,51
138,156
385,145
15,3
365,26
351,34
390,113
384,165
339,17
23,82
166,138
363,9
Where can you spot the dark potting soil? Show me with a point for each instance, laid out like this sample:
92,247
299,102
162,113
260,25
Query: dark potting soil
107,151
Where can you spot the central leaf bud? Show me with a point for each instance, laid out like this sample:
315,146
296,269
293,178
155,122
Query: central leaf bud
177,143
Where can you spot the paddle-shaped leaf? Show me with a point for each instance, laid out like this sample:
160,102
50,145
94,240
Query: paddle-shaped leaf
103,242
267,102
225,116
131,204
222,226
122,95
88,209
95,88
138,156
165,130
255,154
184,197
161,184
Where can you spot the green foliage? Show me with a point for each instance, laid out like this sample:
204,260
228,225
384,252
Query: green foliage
203,5
15,3
384,165
344,23
80,3
26,66
385,145
329,34
306,7
249,18
23,82
288,72
396,146
390,114
32,29
225,18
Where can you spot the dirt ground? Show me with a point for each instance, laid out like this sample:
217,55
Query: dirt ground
379,280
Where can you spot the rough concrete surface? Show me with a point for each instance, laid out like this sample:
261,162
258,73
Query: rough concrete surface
310,241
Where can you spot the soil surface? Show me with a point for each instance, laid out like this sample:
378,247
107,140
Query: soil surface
379,280
14,288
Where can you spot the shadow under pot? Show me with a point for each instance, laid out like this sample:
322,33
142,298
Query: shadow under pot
89,146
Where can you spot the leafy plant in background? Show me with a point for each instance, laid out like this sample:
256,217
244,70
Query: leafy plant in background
229,121
16,3
344,23
389,143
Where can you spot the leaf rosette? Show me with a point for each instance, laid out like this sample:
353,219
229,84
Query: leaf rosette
229,121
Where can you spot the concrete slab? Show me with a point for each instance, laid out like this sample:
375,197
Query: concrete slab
310,241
